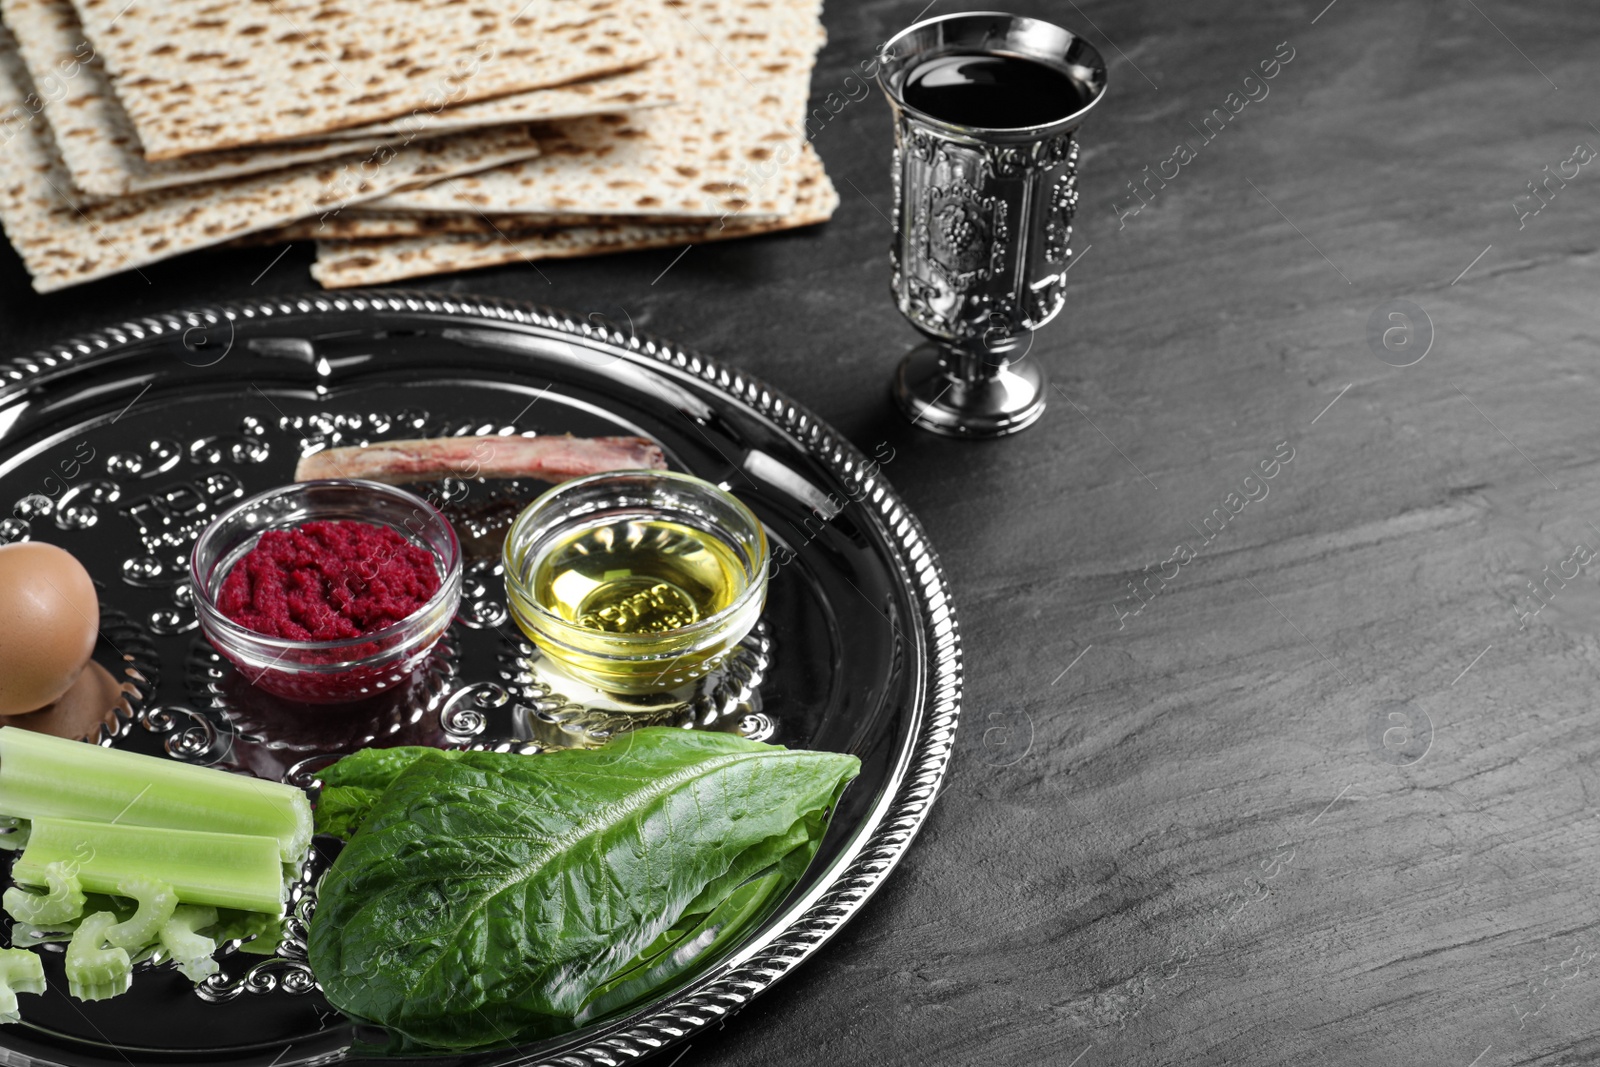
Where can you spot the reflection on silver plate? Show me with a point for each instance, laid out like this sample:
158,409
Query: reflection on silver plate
120,448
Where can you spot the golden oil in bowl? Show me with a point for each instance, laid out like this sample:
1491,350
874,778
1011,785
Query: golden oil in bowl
638,577
637,581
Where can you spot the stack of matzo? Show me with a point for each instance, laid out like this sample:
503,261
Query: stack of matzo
407,137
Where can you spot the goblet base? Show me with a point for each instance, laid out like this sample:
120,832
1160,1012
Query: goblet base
998,401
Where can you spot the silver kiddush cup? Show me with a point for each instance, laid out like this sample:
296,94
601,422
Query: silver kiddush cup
983,224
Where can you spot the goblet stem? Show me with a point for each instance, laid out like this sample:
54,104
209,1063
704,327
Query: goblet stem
960,392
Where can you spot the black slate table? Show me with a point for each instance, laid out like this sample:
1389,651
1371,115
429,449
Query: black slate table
1316,790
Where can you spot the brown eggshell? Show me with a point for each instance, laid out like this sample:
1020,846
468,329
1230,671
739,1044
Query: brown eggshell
49,617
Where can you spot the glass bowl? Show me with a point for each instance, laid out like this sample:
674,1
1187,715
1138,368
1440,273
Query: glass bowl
636,581
326,672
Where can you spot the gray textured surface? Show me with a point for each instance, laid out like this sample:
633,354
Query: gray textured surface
1190,847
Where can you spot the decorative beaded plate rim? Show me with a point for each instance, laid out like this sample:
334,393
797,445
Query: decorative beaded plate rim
933,636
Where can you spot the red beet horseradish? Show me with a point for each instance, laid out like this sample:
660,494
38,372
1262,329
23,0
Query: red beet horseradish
326,581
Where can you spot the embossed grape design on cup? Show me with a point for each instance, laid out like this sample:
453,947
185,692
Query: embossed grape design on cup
983,224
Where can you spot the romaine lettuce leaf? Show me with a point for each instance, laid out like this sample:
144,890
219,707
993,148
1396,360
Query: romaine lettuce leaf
351,786
489,897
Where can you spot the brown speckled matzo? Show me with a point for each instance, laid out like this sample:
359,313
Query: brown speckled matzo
63,242
658,83
341,264
96,139
357,225
199,75
714,154
653,85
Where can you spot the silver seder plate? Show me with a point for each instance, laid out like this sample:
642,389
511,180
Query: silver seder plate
121,445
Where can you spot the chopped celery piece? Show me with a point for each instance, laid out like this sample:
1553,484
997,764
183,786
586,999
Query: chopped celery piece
20,972
62,903
223,870
257,934
49,777
189,949
156,903
27,936
30,936
95,972
13,833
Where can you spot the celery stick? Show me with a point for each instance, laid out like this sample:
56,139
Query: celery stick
20,972
191,950
48,777
95,972
223,870
156,904
63,902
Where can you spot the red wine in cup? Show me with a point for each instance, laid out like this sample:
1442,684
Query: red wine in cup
995,92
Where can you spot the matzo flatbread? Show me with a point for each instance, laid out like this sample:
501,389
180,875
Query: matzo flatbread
63,242
341,264
199,75
653,85
712,155
96,138
356,225
658,84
